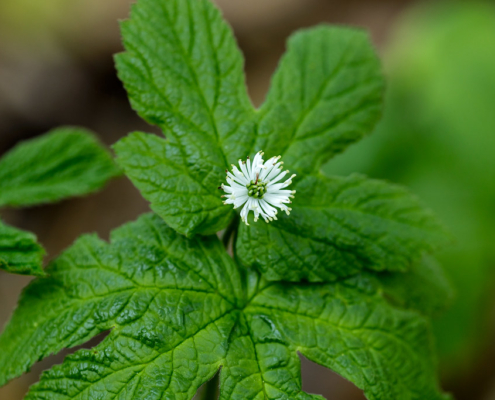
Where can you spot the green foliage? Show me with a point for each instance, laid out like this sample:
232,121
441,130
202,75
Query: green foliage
19,251
325,95
338,227
179,310
152,286
63,163
345,326
187,204
177,306
425,287
183,72
437,137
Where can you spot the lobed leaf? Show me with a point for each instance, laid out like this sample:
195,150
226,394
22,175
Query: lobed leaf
178,311
326,94
20,253
180,193
338,227
151,286
345,326
65,162
184,73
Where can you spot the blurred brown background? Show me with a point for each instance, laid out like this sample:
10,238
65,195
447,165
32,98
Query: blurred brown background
56,68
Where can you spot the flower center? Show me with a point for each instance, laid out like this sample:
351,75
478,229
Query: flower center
256,189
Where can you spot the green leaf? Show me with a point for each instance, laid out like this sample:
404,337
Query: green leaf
184,73
437,137
424,287
20,253
65,162
179,311
155,289
326,95
338,227
177,193
345,326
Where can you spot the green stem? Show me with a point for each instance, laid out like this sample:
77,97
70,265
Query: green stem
231,229
210,389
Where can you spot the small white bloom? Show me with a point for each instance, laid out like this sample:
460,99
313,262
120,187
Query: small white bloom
257,186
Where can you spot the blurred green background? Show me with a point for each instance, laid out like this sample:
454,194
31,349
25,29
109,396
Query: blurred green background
437,136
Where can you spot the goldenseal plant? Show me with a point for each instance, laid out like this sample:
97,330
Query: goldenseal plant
346,280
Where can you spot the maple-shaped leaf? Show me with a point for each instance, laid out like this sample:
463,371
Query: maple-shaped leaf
178,310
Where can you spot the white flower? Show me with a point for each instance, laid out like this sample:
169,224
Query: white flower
257,186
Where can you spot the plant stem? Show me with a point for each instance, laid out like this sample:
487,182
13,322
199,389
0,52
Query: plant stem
210,389
229,231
